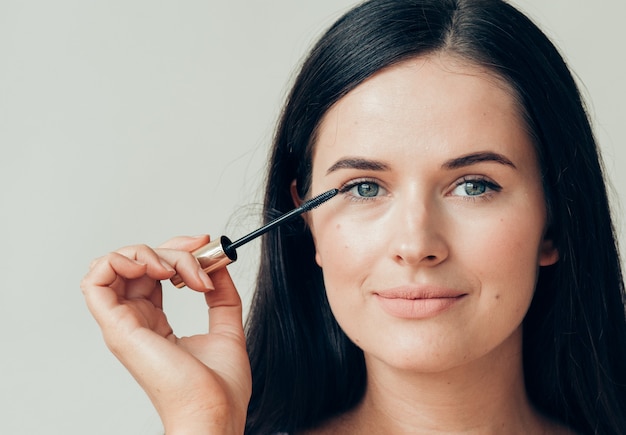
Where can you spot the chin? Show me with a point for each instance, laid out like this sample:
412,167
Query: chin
418,358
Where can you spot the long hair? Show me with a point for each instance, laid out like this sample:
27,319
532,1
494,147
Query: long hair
305,369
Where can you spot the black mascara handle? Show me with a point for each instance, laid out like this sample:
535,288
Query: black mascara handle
308,205
221,252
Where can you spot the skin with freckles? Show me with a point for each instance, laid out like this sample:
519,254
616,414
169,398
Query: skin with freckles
431,251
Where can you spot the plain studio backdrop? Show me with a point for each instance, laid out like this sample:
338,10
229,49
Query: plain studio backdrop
132,121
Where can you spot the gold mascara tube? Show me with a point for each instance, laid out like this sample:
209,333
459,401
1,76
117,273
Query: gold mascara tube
221,252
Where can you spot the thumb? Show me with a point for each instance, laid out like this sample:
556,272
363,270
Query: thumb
225,311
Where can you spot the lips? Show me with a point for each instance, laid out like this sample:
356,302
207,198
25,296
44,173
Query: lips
417,303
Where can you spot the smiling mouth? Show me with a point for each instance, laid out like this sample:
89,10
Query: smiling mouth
408,305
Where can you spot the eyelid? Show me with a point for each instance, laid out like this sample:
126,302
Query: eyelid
352,183
489,183
345,187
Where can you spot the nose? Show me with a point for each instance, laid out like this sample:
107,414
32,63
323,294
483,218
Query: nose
419,234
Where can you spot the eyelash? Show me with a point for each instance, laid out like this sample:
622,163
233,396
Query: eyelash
490,185
345,189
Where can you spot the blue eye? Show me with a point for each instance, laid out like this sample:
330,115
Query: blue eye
474,187
366,190
363,190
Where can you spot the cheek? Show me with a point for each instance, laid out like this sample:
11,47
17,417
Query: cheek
347,258
336,243
506,257
345,250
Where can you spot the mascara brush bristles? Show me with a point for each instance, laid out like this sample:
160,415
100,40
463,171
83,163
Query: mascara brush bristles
318,200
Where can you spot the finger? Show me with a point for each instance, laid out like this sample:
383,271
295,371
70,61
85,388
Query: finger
188,267
157,267
101,287
157,296
105,270
225,311
184,243
131,272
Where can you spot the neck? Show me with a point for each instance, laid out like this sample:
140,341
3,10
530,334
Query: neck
484,396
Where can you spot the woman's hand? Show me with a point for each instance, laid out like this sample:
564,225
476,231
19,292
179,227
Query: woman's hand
198,384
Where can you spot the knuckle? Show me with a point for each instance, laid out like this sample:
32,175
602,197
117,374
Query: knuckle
94,262
84,284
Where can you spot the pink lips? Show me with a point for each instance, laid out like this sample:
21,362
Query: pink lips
417,303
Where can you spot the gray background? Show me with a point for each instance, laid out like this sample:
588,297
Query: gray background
133,121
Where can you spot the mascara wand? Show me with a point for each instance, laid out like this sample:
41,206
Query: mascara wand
221,252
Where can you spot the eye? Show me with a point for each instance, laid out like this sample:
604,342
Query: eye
362,190
474,187
366,190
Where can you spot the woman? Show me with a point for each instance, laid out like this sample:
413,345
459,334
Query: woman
467,278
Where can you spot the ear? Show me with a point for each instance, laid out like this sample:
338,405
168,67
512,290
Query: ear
548,254
297,201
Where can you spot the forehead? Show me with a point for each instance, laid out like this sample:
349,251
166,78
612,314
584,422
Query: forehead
429,100
423,71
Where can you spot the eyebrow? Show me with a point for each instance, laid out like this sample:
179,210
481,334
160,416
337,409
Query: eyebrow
474,158
358,163
456,163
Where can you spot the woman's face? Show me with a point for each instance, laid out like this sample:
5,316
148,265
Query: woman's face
431,251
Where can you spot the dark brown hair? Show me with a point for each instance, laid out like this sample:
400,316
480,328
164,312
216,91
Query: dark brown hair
304,367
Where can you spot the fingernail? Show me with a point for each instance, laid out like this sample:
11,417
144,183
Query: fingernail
208,284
